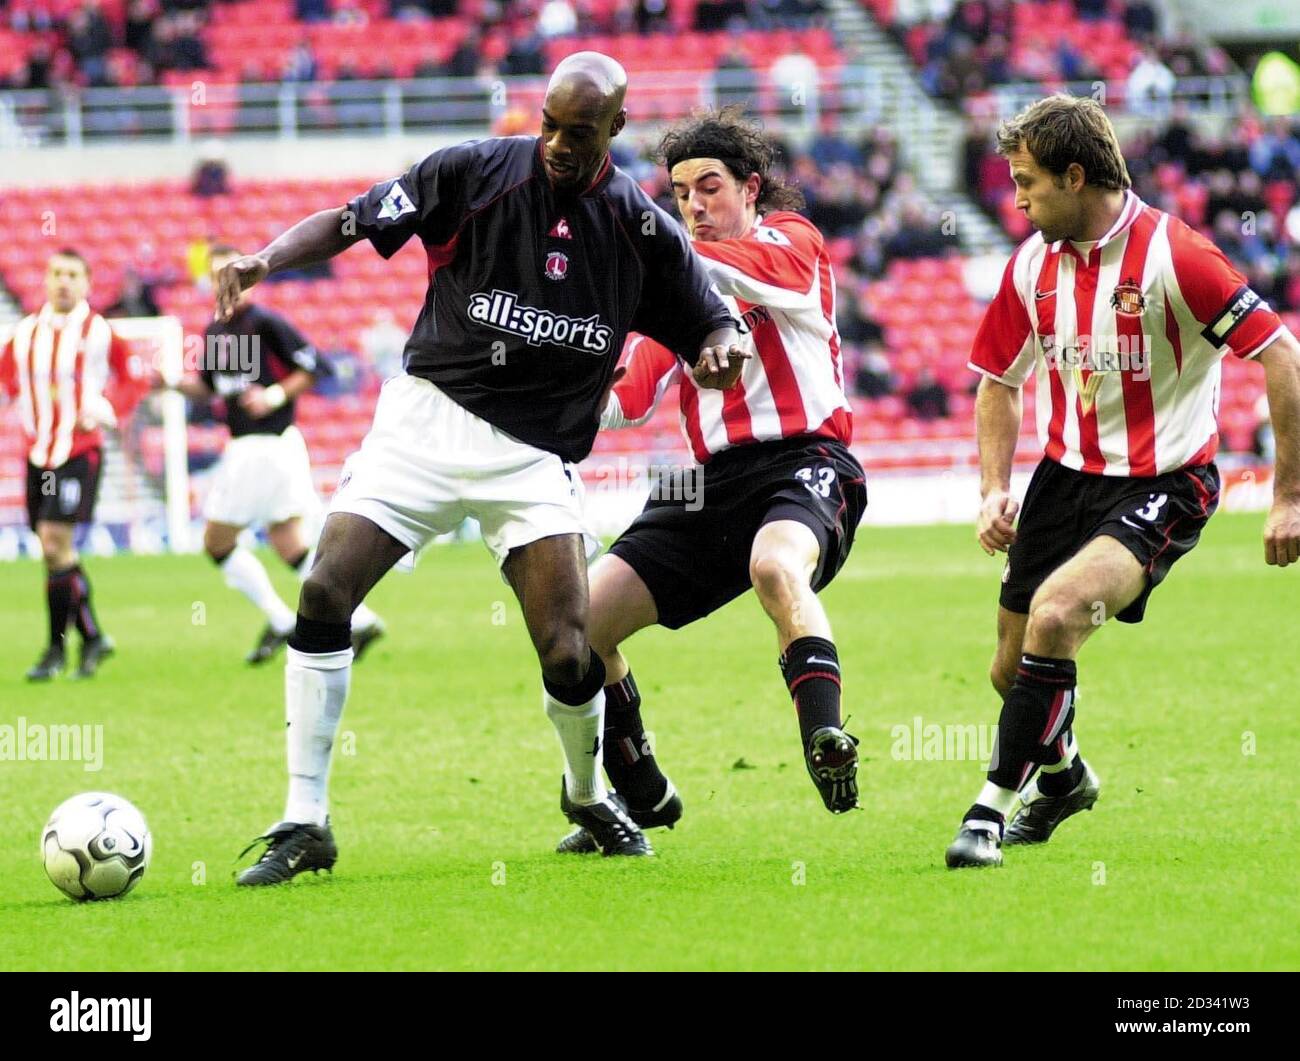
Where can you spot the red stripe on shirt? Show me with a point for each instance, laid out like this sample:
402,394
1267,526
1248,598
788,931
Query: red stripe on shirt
1139,406
1046,309
1173,334
781,379
1085,295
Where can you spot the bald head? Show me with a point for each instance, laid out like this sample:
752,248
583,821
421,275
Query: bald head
582,112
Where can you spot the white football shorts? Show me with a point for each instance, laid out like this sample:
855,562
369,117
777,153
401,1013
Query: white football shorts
262,479
428,463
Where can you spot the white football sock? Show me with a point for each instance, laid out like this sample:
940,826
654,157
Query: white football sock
244,571
580,729
315,690
1066,761
995,797
362,619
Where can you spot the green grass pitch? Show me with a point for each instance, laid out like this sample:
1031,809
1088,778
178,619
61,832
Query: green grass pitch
445,796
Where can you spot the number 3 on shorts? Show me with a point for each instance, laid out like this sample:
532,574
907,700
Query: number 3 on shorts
1151,510
825,476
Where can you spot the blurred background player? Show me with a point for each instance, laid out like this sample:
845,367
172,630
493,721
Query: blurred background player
70,376
258,363
781,493
1124,313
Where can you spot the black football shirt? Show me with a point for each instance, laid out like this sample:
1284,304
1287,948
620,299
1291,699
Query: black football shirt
532,291
256,345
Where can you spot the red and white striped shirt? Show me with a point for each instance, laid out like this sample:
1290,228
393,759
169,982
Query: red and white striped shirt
60,367
777,281
1125,339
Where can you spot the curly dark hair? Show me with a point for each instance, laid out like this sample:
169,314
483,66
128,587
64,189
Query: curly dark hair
739,143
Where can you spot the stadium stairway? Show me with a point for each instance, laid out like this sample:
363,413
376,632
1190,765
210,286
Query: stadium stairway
929,133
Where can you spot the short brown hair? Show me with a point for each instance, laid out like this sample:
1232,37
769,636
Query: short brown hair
71,252
726,134
223,250
1061,130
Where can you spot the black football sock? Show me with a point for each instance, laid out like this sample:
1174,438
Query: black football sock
1037,712
317,637
980,813
83,612
629,759
58,595
297,562
1061,778
811,669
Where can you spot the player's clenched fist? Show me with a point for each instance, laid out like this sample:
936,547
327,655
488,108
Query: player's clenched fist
239,275
995,527
1282,534
719,367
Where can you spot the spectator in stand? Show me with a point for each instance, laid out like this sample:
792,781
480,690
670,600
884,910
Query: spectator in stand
1263,441
1275,155
829,147
138,28
1150,86
312,10
928,400
300,64
916,234
465,60
211,176
714,15
190,53
1091,10
89,39
1140,20
198,262
524,57
135,299
875,378
651,15
735,81
383,344
557,19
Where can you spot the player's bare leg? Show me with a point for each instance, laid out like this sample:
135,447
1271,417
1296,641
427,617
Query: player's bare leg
353,555
549,576
782,564
244,573
289,541
1011,646
620,605
1036,725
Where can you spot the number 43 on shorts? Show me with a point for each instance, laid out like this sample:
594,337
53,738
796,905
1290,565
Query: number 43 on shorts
817,480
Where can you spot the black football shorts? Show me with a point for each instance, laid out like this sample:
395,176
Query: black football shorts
1157,518
65,494
693,554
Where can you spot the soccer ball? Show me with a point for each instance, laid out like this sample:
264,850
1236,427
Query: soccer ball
95,846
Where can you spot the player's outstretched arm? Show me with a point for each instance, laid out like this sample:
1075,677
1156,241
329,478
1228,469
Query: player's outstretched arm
313,239
1281,360
997,428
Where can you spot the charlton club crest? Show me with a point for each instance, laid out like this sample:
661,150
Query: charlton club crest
557,265
1127,299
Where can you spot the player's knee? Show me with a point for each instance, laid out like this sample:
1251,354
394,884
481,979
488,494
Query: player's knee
324,599
774,575
1054,619
563,654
